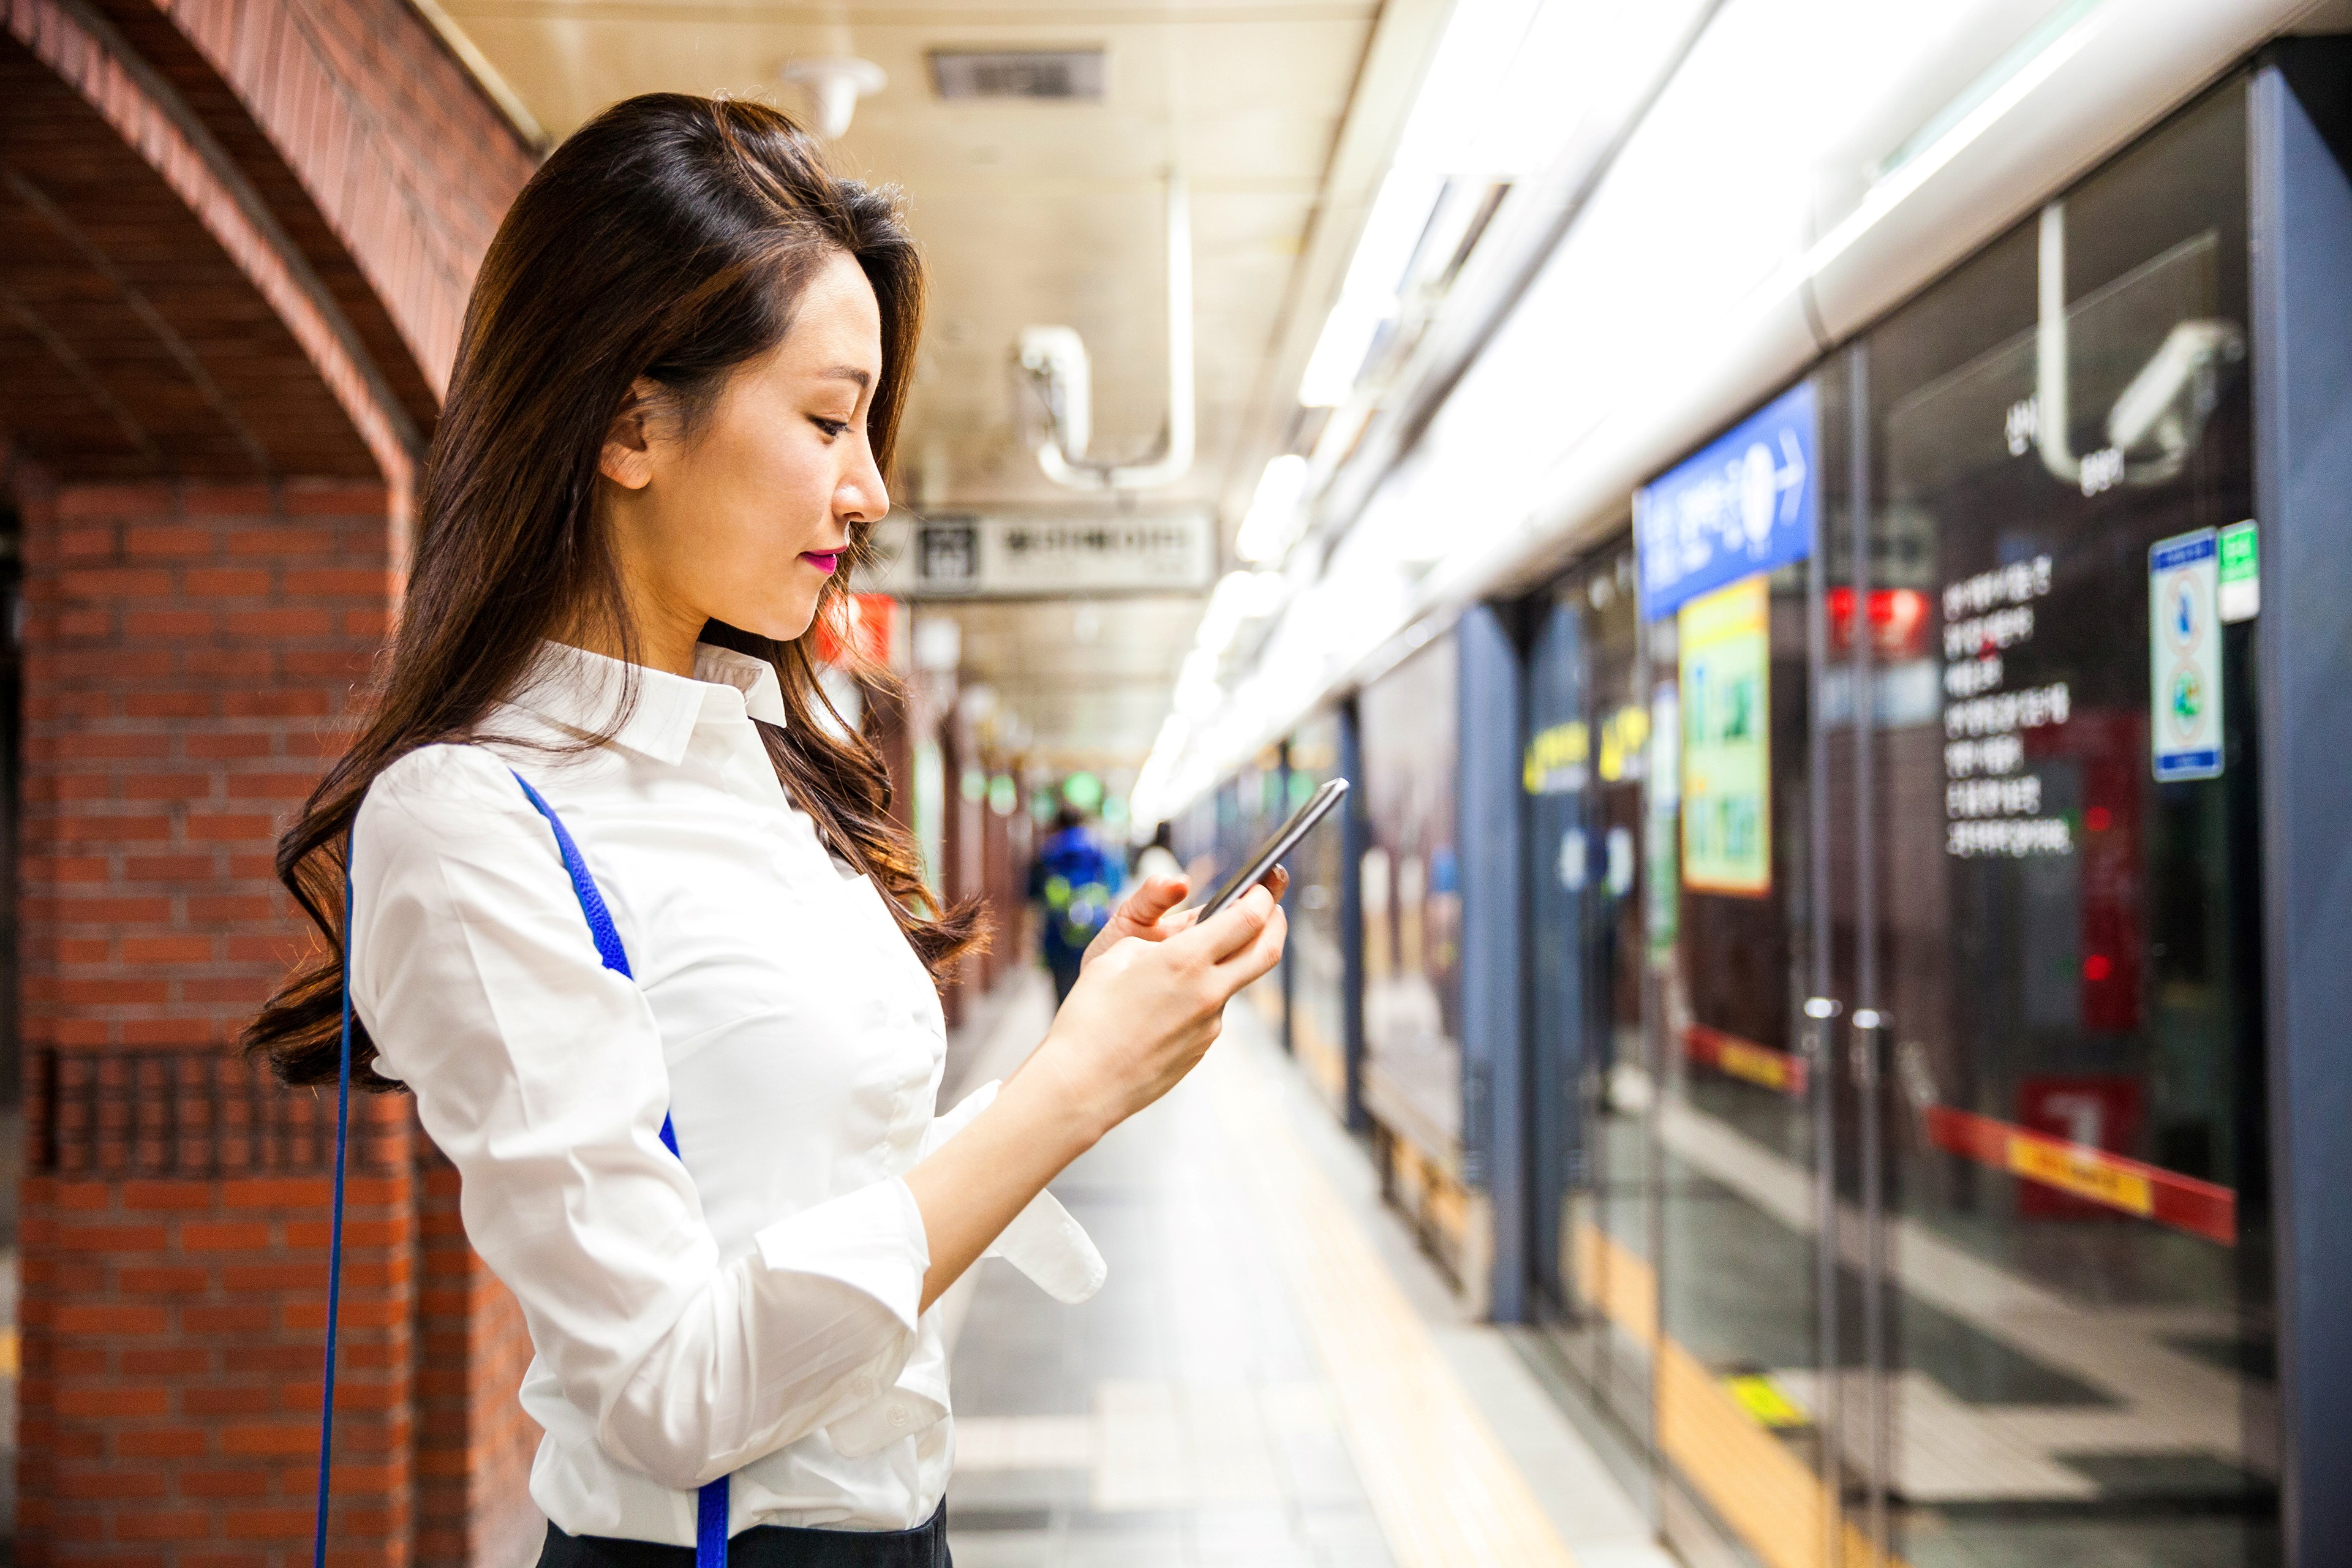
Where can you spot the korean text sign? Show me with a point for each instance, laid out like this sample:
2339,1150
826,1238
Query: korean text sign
1746,503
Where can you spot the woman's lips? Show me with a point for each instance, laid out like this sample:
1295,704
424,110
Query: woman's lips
825,561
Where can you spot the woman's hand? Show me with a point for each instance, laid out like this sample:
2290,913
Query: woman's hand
1142,1014
1145,912
1149,1006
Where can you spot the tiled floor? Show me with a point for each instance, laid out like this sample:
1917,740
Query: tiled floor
1192,1415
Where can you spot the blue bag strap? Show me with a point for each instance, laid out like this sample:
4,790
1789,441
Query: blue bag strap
711,1500
335,1233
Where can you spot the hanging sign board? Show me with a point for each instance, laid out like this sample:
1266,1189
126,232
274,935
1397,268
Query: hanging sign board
1744,504
2184,654
1726,663
1044,558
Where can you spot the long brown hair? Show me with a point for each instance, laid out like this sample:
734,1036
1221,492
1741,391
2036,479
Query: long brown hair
668,238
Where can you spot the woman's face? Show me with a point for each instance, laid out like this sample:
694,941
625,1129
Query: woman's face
746,519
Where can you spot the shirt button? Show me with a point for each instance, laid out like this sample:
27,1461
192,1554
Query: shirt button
899,1416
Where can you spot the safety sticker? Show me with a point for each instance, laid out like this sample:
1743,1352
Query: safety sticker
2184,653
2241,571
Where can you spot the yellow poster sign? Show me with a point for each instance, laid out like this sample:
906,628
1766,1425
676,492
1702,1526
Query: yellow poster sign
1726,646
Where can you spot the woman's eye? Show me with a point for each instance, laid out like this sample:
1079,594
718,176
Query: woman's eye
832,427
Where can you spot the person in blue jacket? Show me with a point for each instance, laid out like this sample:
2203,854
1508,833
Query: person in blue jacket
1075,885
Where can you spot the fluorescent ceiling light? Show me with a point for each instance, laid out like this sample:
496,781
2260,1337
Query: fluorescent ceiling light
1266,527
1340,354
1460,92
1392,233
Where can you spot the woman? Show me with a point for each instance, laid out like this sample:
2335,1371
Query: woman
682,371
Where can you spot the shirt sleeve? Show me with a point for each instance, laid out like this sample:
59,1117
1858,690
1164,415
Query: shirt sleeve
541,1075
1043,1241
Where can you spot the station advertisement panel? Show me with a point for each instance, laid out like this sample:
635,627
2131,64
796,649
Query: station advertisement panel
1727,767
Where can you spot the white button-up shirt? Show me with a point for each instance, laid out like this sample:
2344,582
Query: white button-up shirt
754,1312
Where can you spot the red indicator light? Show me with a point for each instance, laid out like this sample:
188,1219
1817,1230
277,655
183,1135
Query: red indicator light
2096,968
2096,819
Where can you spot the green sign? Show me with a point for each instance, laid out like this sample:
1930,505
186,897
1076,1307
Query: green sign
1726,660
2239,595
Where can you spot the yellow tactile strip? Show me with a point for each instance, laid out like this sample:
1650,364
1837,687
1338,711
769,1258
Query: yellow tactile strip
1445,1493
1755,1483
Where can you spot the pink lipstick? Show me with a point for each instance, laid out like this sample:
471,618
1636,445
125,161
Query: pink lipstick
825,561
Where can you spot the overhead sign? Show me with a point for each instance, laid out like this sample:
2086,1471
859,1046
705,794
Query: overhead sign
1744,504
1044,558
2184,654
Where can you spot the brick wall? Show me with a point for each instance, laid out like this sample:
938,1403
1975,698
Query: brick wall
365,83
247,233
191,653
170,1391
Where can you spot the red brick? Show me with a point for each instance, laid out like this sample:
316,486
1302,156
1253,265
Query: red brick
150,543
241,1235
167,950
161,1524
278,623
169,623
257,1438
85,1400
228,501
163,1443
350,582
174,1195
225,827
226,583
297,702
226,747
299,1193
167,786
112,1318
167,704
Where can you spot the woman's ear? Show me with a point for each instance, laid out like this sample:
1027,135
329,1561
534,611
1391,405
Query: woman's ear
627,459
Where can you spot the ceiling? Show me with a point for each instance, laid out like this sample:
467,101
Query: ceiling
1279,114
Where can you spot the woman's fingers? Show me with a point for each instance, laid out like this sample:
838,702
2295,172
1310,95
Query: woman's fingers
1250,963
1145,908
1234,928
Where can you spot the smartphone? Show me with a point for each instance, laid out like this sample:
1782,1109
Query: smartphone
1269,854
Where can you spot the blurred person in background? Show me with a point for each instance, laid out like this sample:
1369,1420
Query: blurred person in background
1072,882
1158,858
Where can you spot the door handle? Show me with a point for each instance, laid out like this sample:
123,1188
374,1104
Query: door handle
1821,1012
1869,1028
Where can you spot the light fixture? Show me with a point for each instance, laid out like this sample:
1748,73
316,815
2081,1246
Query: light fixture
1368,298
1268,525
835,83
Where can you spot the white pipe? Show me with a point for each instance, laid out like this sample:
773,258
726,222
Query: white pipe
2053,405
1061,456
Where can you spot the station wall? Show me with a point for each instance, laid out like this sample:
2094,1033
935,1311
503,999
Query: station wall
235,242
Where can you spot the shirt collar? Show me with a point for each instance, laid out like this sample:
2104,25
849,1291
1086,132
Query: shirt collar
585,692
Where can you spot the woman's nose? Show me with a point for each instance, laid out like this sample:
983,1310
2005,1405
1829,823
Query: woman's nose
862,497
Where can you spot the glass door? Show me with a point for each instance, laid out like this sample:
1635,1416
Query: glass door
2050,1126
1735,950
1586,754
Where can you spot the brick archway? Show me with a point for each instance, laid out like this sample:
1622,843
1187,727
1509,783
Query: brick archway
236,238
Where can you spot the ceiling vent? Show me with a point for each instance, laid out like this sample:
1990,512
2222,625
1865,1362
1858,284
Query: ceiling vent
1059,74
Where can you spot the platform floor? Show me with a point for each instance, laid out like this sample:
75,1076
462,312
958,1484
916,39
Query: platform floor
1273,1375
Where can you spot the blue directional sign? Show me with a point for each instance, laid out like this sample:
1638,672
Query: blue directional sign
1744,504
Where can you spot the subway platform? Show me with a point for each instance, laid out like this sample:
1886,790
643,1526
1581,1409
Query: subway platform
1273,1375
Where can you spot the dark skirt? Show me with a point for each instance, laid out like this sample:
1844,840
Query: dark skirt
765,1546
